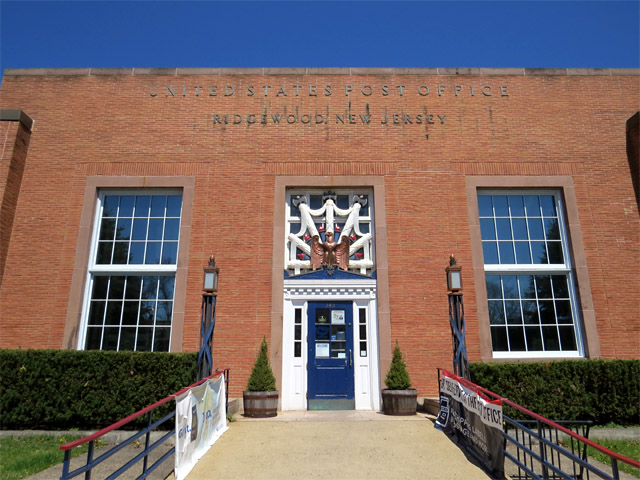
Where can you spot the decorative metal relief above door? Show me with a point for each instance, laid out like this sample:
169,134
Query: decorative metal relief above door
330,231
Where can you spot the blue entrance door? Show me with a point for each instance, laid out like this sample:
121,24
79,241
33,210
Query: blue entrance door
330,368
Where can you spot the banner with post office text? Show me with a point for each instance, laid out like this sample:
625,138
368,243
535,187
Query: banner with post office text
472,421
201,418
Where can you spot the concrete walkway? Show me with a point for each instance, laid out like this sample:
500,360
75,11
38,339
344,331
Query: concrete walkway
335,445
307,445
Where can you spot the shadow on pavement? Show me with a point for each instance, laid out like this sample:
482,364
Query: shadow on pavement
106,468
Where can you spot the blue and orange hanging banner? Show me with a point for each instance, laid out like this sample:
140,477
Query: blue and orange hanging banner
201,418
472,421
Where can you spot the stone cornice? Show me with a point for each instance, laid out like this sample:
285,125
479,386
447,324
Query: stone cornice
52,72
12,115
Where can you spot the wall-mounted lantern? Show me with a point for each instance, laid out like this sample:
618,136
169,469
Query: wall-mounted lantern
454,276
456,318
210,285
208,318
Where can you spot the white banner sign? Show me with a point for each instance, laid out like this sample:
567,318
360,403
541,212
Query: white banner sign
472,422
490,413
201,418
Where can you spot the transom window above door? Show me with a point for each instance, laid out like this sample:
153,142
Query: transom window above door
330,230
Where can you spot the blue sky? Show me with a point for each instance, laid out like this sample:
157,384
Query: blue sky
579,34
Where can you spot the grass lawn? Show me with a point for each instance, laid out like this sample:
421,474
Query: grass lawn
628,448
24,456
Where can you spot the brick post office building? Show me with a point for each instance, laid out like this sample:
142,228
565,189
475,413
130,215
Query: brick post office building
332,200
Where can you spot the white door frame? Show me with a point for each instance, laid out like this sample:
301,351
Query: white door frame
297,294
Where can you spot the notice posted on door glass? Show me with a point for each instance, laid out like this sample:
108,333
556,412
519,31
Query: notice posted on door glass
337,317
322,349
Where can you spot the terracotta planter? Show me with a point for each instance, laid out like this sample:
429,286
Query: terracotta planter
400,402
260,404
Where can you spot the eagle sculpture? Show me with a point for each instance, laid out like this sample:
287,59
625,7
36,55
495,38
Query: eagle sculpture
329,253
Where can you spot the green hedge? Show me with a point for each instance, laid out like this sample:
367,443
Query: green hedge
62,389
600,390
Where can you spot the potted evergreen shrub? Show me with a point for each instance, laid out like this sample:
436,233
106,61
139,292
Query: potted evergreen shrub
399,398
260,399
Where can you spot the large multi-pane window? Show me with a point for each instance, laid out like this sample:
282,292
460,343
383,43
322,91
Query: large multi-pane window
530,291
132,271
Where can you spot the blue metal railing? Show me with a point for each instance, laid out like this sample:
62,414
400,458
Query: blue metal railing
552,451
149,446
530,433
542,449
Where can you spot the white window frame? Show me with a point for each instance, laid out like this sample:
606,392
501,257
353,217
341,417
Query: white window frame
541,269
95,269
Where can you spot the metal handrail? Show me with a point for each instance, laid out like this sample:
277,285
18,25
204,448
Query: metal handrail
90,439
542,458
539,419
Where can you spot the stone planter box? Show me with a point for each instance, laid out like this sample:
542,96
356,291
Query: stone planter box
400,402
260,404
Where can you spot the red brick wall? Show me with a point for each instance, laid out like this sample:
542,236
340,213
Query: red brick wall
14,143
633,151
97,124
